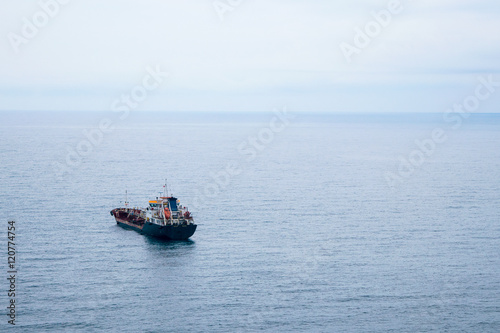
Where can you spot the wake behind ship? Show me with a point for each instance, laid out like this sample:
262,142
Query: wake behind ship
163,218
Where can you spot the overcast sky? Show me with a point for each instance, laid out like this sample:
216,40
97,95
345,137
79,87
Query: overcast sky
253,56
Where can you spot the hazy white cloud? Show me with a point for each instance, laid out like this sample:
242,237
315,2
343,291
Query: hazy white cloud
263,54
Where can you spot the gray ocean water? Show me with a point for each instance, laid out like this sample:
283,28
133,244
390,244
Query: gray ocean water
306,236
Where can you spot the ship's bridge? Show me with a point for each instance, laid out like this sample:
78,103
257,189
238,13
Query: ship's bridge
173,204
169,202
154,203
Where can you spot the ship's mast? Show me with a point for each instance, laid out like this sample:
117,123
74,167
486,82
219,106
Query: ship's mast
163,202
126,199
165,193
163,212
170,209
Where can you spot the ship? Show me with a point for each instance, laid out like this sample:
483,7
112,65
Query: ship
163,218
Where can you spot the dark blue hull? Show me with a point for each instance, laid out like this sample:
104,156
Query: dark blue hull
171,232
175,232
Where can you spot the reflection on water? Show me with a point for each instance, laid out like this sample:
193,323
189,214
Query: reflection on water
169,247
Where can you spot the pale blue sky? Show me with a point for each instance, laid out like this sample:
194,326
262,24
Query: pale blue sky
265,54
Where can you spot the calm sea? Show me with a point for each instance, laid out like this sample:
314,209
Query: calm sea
311,223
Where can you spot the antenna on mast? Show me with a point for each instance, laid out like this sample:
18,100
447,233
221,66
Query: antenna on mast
165,189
